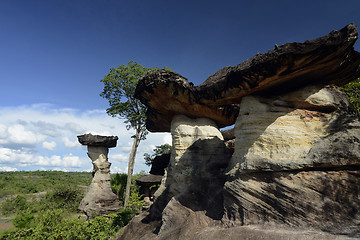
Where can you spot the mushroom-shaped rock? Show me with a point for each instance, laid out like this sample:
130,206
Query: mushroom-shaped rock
99,199
326,60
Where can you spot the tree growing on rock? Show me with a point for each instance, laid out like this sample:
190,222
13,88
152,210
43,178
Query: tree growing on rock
119,88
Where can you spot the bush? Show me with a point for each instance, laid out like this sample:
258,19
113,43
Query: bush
16,205
122,218
24,219
64,196
52,224
118,185
352,89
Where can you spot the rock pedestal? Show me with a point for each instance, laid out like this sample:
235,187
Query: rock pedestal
99,199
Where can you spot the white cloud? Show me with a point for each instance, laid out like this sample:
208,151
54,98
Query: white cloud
7,169
51,146
70,144
167,139
118,157
119,170
74,127
25,158
25,140
17,134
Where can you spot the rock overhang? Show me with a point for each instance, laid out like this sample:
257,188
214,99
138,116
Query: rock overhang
330,59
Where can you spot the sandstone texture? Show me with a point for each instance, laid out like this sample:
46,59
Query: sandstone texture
296,161
290,169
99,199
277,132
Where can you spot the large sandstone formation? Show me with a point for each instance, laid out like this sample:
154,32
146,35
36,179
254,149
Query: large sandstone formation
296,162
99,199
295,168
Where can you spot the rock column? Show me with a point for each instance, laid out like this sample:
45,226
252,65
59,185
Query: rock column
99,199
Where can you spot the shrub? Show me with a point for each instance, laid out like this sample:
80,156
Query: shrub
52,224
11,206
24,219
352,89
122,218
64,196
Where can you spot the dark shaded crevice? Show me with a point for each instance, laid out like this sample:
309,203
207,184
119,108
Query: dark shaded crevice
250,173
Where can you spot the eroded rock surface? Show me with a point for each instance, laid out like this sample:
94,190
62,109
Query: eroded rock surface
99,199
295,170
296,162
277,132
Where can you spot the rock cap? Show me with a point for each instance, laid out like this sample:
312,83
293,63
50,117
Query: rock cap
97,140
330,59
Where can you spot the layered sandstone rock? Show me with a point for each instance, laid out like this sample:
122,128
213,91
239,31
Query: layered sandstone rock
99,199
294,173
277,132
296,162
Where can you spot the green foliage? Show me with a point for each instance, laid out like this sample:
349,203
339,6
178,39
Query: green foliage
119,88
352,89
16,205
52,224
157,151
118,185
27,182
135,203
54,215
24,219
122,218
65,196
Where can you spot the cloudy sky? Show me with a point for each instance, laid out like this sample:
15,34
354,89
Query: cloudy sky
54,53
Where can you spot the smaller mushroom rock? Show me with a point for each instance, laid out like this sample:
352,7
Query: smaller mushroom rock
148,185
99,199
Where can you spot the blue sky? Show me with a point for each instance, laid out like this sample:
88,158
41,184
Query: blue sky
54,53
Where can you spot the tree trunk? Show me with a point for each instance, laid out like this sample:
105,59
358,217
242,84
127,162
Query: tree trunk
131,166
